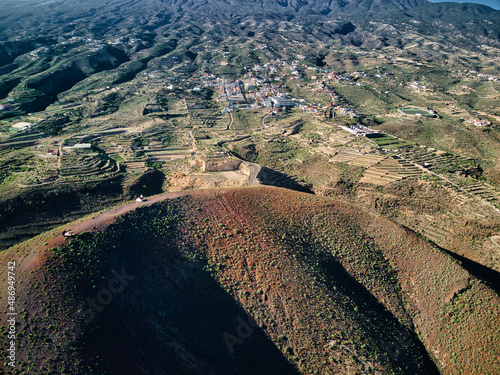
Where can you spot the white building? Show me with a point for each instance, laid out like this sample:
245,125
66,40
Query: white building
22,126
283,102
78,146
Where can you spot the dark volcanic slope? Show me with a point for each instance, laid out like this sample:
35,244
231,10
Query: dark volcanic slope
227,282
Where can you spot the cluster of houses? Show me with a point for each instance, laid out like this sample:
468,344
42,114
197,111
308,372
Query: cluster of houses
418,86
480,123
39,52
254,93
480,76
251,93
262,84
93,44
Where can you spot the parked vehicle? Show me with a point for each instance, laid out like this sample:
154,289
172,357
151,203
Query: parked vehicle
68,233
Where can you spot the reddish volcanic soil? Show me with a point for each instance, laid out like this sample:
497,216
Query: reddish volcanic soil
248,281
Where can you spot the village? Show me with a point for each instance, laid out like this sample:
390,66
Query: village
187,111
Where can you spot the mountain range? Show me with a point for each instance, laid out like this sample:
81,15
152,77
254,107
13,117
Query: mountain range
157,27
29,18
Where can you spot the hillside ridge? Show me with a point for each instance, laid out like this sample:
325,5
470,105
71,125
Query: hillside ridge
325,286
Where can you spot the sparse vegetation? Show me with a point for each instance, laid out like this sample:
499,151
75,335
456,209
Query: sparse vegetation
322,262
395,111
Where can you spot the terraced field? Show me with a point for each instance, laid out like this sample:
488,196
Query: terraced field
435,233
482,191
168,153
75,167
389,170
389,142
352,156
340,138
134,164
380,168
446,164
437,160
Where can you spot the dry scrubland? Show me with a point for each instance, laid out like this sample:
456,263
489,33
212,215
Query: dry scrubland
321,288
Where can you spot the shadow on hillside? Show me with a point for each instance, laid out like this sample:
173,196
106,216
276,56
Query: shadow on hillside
150,183
271,177
38,210
488,275
402,347
174,318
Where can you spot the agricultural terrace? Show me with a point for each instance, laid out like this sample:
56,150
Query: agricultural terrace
390,142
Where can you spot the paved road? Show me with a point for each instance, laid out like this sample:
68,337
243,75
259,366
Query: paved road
230,119
264,119
252,180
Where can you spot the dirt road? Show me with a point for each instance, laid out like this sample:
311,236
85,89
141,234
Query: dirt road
110,215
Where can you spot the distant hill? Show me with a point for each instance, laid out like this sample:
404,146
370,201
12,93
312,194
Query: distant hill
226,282
60,17
495,4
113,32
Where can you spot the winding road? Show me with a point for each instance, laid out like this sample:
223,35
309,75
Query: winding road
230,119
252,180
264,119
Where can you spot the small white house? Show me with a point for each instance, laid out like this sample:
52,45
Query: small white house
22,126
